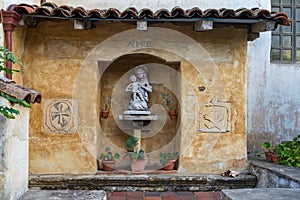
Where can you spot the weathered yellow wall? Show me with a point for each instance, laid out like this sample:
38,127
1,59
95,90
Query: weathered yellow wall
62,63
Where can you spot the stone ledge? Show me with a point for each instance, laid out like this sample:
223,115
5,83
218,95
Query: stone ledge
274,175
146,182
260,193
64,195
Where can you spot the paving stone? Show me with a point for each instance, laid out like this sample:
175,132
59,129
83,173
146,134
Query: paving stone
64,195
117,198
185,193
135,194
216,195
171,197
119,194
168,194
261,193
153,198
204,195
152,194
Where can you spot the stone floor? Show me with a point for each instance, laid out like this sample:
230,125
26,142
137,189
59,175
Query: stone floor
261,194
101,195
164,196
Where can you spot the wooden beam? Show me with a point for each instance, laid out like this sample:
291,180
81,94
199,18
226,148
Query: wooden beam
263,26
202,25
252,36
83,24
141,25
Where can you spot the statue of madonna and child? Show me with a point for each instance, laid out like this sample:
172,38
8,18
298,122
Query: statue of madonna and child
139,87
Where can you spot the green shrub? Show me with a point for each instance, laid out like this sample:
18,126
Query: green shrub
7,56
289,152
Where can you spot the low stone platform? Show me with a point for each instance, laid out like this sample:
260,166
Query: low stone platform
261,193
64,195
270,175
142,182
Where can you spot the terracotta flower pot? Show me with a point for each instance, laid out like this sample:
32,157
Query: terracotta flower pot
269,156
138,165
275,159
108,165
169,165
172,114
104,113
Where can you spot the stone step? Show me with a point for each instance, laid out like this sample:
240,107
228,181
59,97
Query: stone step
64,195
261,193
141,182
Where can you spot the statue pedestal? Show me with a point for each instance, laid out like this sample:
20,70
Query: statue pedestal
139,120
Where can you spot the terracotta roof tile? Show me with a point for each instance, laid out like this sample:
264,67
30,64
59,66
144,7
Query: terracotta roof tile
10,88
146,13
194,12
49,9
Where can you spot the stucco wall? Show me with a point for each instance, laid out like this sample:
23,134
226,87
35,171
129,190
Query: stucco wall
215,59
14,154
272,102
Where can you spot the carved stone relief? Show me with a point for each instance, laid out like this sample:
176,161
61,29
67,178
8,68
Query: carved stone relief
60,116
215,117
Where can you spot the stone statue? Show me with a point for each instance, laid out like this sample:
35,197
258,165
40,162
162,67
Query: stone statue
139,87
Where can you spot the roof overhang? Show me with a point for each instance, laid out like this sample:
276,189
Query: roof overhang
254,20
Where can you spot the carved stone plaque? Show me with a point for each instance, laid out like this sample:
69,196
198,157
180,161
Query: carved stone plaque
60,116
215,117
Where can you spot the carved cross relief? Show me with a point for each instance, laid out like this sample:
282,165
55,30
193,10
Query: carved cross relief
60,116
215,117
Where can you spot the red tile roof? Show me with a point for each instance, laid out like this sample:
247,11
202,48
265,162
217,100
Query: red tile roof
52,10
10,88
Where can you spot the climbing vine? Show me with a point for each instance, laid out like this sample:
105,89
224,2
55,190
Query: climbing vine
7,56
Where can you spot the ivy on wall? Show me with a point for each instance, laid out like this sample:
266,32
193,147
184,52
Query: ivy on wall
7,56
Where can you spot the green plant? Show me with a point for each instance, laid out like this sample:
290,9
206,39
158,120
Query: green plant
108,155
7,56
131,143
137,155
267,145
165,157
167,101
289,152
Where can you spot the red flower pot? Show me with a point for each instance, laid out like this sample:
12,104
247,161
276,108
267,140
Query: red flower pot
104,113
169,165
108,165
138,165
269,156
172,114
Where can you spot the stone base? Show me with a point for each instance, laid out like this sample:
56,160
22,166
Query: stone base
137,112
142,182
65,194
138,117
261,193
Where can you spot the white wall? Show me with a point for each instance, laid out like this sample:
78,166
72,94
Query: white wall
273,96
14,154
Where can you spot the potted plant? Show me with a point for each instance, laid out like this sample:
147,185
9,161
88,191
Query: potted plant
275,157
167,103
137,161
107,105
136,156
108,159
268,150
131,143
289,152
168,160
